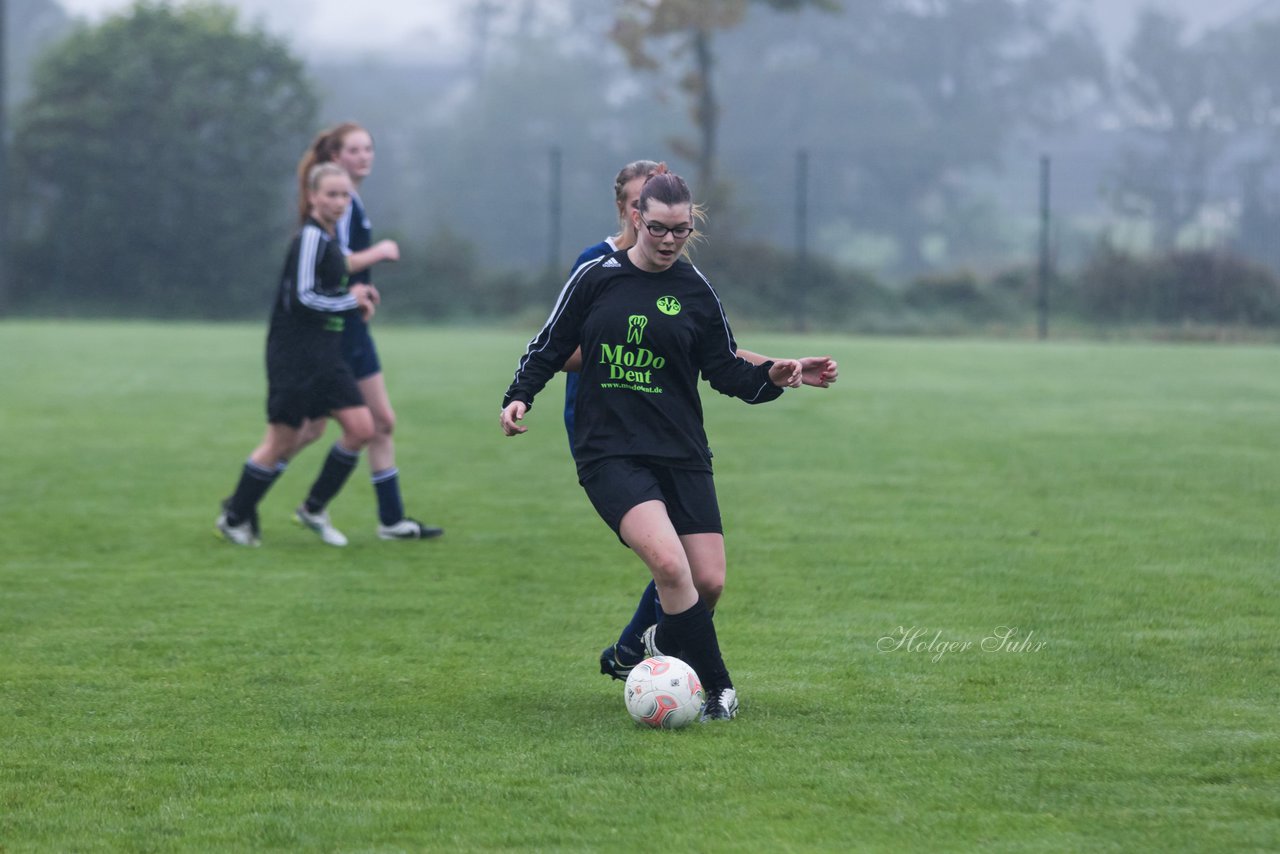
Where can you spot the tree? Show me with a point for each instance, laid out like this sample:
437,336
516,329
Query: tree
955,83
640,22
155,164
1170,99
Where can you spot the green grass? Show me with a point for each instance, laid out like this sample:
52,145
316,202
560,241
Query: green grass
163,691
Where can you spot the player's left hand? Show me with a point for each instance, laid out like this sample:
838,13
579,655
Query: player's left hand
819,371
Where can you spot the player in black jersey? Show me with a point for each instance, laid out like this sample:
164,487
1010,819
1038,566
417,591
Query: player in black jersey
306,374
648,324
618,658
351,146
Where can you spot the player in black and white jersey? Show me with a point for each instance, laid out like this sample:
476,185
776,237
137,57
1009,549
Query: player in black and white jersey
619,657
351,146
306,374
648,325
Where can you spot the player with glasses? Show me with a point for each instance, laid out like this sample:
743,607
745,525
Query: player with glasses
679,232
649,325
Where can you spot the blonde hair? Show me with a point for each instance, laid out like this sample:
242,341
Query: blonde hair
318,172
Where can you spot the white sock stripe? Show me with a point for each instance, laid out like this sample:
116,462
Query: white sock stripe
385,475
258,471
343,452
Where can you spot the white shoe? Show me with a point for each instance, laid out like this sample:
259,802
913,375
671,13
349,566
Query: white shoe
650,647
722,705
319,522
408,529
242,534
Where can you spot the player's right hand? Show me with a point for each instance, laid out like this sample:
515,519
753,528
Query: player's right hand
514,412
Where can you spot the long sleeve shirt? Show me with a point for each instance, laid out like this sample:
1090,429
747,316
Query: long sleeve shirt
646,338
312,301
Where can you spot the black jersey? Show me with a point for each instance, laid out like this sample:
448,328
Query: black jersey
312,301
645,339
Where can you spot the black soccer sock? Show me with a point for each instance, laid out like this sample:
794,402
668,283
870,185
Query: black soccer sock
386,485
338,466
693,634
254,483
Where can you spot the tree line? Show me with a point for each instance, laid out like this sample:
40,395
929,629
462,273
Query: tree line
152,158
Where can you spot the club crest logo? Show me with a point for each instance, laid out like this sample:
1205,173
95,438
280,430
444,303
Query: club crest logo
669,306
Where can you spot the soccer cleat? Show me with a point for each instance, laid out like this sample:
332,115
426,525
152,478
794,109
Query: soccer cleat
253,521
243,534
650,645
319,522
721,705
610,666
408,529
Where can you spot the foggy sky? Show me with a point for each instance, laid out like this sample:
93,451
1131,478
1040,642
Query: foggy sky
317,27
395,28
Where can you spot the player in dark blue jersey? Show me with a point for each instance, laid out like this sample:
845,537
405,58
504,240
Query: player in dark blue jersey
351,146
648,325
306,375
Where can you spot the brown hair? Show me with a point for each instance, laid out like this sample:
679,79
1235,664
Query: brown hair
323,149
666,187
670,189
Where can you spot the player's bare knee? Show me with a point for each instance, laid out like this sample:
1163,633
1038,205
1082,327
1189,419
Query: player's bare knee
710,591
385,424
357,436
669,569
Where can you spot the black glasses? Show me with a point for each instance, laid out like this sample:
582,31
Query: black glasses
680,232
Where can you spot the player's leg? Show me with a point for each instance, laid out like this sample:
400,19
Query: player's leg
393,524
310,432
707,563
647,530
357,431
238,521
617,659
686,630
707,566
692,506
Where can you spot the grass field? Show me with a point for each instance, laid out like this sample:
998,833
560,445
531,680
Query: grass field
982,596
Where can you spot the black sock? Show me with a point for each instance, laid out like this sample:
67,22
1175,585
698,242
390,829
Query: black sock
254,483
693,634
338,466
386,485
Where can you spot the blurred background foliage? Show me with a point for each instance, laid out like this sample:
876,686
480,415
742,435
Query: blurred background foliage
868,166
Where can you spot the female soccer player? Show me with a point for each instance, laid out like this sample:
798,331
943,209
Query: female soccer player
351,146
648,324
617,659
306,374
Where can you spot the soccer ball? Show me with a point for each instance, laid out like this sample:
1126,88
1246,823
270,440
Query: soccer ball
663,692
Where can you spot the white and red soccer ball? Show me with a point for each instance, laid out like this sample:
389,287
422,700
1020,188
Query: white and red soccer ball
664,693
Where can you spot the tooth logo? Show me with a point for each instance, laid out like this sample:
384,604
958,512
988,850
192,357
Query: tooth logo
669,306
635,328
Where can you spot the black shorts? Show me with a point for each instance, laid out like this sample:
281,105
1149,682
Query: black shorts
358,350
617,484
298,391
